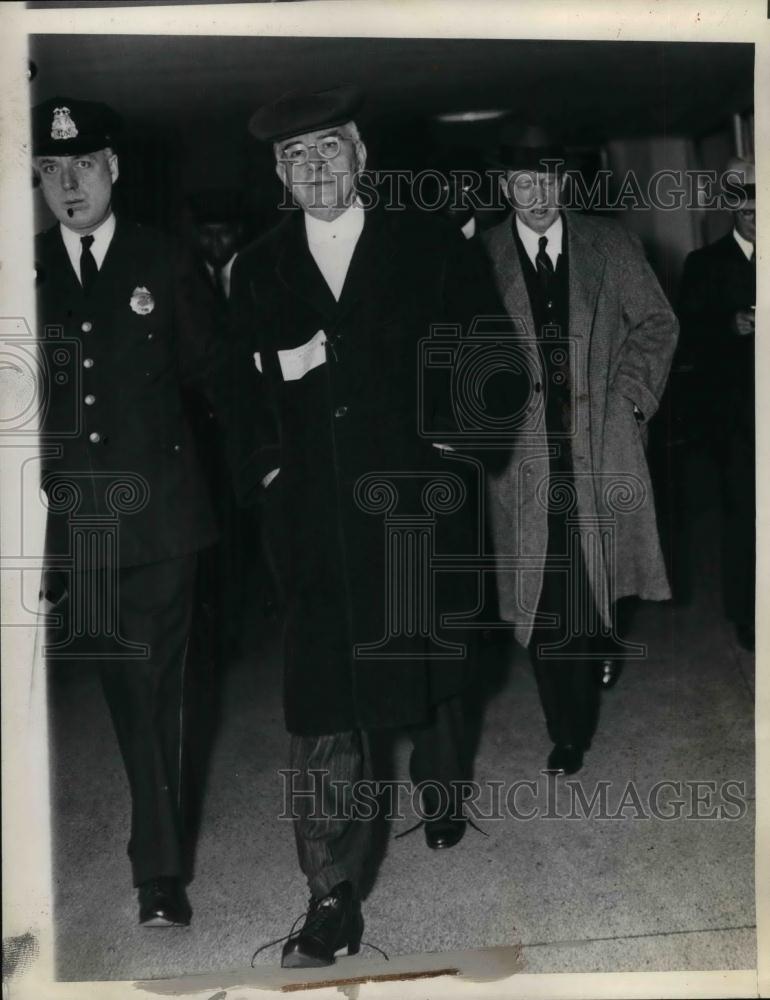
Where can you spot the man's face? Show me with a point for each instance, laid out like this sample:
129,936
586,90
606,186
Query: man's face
323,185
78,189
534,196
746,221
219,241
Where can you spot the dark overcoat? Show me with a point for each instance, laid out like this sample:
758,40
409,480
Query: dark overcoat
116,444
622,337
363,499
717,282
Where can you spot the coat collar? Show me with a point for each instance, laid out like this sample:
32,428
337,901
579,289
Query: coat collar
586,271
296,268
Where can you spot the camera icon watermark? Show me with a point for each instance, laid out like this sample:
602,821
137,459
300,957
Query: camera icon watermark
488,387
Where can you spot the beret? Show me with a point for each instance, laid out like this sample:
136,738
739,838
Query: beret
526,147
296,113
65,126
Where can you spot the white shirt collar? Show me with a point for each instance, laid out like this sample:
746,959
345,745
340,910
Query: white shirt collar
102,239
469,229
344,228
530,239
744,244
226,271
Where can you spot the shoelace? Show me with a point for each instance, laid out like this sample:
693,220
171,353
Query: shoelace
422,822
306,914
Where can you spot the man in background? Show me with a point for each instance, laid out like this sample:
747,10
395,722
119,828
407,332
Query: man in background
596,335
716,310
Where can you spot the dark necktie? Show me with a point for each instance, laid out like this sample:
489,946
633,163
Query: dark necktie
544,263
88,268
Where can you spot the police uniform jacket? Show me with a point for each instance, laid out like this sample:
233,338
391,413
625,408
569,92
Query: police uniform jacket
116,445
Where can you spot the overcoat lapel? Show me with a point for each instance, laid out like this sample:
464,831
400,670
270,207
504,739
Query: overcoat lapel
299,272
510,277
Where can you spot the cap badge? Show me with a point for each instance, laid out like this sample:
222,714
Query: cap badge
63,126
142,301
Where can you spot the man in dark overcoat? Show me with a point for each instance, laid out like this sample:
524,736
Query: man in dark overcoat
331,306
716,309
571,513
123,324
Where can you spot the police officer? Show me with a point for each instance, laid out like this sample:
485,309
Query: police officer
121,310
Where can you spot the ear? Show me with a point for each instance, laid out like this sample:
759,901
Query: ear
112,163
280,169
360,154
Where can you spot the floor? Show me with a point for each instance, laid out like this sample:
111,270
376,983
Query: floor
618,892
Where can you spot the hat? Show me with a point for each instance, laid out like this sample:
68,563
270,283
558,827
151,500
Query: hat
65,126
296,113
740,179
216,205
526,147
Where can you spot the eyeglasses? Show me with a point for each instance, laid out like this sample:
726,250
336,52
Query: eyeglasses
299,152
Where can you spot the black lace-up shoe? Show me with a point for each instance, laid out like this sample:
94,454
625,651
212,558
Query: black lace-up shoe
163,903
332,924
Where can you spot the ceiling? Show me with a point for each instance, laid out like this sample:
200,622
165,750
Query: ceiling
591,91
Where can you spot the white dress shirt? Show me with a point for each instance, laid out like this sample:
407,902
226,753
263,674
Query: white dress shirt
332,244
531,239
102,239
225,273
744,244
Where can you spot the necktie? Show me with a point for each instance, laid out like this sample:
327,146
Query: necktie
88,268
544,263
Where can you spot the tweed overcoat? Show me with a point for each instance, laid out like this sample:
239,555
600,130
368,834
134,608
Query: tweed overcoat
622,337
341,384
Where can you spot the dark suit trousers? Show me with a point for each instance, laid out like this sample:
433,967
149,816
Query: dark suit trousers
144,696
333,844
565,675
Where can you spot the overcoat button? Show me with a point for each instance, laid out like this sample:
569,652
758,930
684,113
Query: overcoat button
88,363
340,411
89,400
86,327
150,336
177,447
94,437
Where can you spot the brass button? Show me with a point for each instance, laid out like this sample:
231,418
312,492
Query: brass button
88,363
94,437
86,327
150,336
177,447
341,411
89,400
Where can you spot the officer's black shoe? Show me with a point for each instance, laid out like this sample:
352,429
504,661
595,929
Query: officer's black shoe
565,759
163,903
332,924
609,672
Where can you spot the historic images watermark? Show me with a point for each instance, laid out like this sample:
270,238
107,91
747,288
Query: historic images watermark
43,406
481,395
551,797
605,190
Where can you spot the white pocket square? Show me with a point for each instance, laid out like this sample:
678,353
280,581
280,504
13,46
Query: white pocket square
298,361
